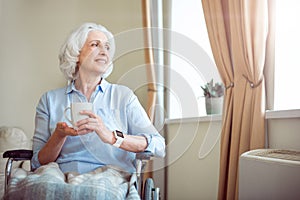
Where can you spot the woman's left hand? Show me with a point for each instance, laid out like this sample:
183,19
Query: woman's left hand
94,123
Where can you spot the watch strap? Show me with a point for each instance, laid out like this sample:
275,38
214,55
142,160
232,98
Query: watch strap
119,138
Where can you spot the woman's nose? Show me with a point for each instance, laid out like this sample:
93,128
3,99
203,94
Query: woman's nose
102,50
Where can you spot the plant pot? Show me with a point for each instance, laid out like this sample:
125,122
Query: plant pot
214,105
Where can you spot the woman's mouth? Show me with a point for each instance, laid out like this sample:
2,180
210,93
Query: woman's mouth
101,60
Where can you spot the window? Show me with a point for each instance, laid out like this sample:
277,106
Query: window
186,77
191,60
287,62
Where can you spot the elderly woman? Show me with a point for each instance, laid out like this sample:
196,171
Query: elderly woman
114,131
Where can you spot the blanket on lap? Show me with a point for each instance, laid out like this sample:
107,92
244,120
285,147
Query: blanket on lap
48,182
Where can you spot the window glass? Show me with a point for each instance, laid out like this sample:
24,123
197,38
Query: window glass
287,62
191,60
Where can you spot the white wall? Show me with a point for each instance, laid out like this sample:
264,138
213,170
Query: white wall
190,177
191,174
30,37
284,133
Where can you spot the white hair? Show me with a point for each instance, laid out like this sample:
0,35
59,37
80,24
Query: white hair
70,50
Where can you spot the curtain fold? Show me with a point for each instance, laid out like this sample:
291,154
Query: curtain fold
151,78
149,58
153,42
238,31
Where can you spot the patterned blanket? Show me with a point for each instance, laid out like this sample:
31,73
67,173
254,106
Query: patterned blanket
48,182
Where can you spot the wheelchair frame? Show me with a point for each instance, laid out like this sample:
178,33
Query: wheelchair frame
146,190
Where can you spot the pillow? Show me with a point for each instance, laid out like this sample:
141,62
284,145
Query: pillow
10,138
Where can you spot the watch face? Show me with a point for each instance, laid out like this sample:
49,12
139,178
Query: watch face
119,134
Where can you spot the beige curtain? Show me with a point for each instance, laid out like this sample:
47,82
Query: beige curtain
151,78
149,59
238,31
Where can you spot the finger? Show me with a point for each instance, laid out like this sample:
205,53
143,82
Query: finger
85,128
84,131
70,131
64,129
82,122
88,113
89,121
61,125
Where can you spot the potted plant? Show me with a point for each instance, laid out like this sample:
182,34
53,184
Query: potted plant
213,93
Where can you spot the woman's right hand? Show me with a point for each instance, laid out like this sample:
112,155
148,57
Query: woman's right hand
51,150
63,130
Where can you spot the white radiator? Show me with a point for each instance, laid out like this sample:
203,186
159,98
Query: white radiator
269,174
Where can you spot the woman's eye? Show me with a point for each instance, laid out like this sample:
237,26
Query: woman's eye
98,44
94,44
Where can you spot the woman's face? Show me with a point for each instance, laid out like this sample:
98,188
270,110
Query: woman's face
94,57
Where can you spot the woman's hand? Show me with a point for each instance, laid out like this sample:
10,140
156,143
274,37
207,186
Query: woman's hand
94,123
132,143
63,130
51,150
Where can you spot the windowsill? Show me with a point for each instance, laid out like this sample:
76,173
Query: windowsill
283,114
207,118
270,114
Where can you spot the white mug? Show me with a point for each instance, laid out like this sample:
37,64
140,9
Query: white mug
75,110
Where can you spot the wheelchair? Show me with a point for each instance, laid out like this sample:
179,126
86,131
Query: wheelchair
146,190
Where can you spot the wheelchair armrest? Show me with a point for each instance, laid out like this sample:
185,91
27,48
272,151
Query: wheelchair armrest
146,155
141,160
15,155
20,154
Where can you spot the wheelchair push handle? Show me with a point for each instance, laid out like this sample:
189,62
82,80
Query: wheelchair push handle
20,154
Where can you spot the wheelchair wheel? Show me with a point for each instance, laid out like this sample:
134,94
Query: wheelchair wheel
148,189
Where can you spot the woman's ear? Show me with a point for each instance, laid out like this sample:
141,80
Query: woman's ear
76,70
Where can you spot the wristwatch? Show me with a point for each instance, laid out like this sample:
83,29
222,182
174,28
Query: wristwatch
119,138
